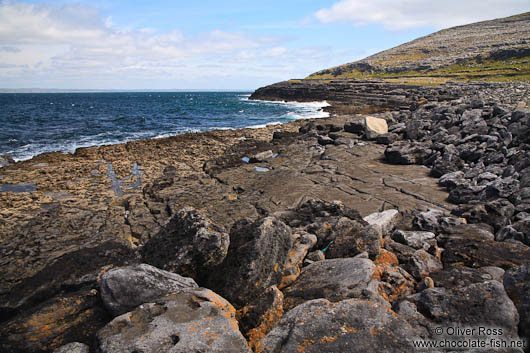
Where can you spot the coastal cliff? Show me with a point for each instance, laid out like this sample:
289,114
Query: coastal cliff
404,213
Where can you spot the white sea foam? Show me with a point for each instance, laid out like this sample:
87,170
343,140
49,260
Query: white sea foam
261,126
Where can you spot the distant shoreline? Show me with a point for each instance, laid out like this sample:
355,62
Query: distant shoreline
43,90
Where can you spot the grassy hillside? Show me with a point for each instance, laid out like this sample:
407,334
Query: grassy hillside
497,50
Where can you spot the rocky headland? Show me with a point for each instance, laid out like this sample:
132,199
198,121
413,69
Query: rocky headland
398,220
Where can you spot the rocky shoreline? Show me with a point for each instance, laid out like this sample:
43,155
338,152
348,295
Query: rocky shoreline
304,237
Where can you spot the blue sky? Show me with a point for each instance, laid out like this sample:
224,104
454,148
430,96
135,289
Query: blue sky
230,44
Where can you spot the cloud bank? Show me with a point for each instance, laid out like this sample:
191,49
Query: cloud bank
75,45
397,15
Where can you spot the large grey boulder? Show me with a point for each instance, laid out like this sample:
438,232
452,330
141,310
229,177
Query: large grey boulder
351,325
123,289
189,245
335,280
262,254
192,320
517,284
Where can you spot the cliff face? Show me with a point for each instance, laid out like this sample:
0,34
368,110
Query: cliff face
496,50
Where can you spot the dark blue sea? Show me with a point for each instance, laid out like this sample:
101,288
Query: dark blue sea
34,123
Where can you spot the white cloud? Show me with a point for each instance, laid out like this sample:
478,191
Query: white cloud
397,15
79,47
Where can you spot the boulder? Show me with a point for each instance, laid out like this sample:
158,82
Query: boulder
496,213
457,276
189,245
406,152
335,280
414,239
354,127
485,304
262,254
192,320
401,251
384,221
350,325
74,347
374,127
387,139
125,288
479,253
523,226
517,284
343,237
421,264
453,179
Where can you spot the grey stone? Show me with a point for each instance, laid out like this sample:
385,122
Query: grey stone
481,304
414,239
384,221
352,325
452,180
74,347
422,263
125,288
262,254
192,320
335,280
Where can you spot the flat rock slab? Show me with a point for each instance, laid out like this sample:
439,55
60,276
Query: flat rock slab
193,320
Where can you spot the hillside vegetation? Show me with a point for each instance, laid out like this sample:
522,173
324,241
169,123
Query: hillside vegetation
497,50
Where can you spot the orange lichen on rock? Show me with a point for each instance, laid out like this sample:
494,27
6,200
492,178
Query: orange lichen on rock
386,257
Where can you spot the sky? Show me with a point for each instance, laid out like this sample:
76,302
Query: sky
210,44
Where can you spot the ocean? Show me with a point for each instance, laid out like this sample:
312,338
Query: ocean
33,123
